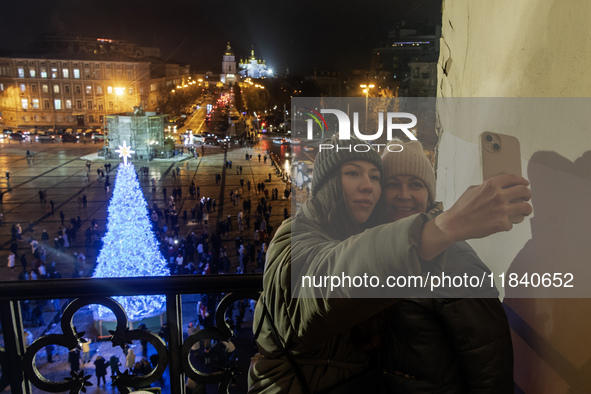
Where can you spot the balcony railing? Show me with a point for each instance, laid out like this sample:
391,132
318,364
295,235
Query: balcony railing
18,363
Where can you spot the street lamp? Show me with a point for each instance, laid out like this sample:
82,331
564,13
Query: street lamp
366,91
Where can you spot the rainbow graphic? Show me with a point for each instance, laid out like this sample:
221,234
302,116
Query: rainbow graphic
318,118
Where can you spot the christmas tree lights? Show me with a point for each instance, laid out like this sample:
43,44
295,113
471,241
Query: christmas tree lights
130,248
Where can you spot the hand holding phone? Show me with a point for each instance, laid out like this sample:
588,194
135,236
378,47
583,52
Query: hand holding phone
500,154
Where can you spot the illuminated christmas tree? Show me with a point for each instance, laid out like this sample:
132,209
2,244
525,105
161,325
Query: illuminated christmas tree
130,248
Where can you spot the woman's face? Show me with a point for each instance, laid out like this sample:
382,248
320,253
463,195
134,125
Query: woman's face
361,187
404,196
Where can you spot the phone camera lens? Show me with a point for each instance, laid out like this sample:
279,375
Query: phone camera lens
496,147
488,138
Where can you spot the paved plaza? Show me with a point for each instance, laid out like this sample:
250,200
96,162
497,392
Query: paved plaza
59,171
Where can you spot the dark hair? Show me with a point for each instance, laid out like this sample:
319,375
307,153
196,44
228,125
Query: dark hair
329,209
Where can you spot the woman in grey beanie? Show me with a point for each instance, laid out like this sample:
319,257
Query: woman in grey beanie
458,340
306,333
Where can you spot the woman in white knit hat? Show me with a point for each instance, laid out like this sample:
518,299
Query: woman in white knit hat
458,341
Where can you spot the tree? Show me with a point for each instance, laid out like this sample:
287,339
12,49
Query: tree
130,248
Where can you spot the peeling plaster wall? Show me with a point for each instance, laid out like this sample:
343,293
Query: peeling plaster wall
520,49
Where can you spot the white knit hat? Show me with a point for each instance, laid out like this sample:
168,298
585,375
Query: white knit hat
412,161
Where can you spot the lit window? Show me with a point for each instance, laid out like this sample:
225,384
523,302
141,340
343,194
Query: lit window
1,87
43,73
21,72
57,103
35,103
54,73
110,89
25,103
56,89
87,73
88,89
32,72
99,89
45,88
23,88
66,73
68,104
77,73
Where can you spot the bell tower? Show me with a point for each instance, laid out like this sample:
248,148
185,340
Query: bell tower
228,76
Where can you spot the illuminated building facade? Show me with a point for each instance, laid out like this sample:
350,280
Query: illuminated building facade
254,67
76,82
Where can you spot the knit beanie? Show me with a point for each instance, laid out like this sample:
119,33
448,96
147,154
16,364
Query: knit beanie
329,161
411,161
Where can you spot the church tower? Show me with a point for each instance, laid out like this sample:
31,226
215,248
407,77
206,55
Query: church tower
228,76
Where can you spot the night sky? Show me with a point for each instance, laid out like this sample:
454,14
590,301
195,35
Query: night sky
329,34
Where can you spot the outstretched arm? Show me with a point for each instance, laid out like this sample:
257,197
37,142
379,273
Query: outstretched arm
481,211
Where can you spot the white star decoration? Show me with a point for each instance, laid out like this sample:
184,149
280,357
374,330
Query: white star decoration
125,152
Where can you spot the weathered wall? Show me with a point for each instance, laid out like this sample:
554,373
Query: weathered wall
516,49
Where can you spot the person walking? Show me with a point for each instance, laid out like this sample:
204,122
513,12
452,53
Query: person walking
49,353
100,365
130,360
74,360
11,259
85,350
114,364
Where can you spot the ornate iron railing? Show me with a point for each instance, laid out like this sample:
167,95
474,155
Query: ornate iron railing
18,363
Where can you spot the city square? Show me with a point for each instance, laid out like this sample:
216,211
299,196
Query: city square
225,105
60,171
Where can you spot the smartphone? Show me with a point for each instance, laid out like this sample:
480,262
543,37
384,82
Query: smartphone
500,154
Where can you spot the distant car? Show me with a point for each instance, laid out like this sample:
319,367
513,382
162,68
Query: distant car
198,138
69,138
17,136
97,137
210,140
45,138
308,149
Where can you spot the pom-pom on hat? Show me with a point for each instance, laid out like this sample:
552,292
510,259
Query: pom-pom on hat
412,161
329,160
